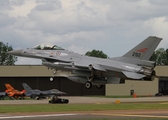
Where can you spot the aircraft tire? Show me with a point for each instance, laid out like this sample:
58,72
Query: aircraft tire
37,98
51,79
88,85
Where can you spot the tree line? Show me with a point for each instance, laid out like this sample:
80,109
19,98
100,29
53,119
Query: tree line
160,56
6,59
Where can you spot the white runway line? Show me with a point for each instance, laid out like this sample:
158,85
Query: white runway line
29,116
133,115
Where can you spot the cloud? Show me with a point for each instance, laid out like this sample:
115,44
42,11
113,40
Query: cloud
161,3
159,27
6,20
112,26
48,5
78,49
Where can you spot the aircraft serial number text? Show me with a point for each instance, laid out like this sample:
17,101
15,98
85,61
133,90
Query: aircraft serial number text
136,54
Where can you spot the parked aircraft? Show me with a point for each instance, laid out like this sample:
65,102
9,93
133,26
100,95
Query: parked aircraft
134,65
13,93
38,94
3,95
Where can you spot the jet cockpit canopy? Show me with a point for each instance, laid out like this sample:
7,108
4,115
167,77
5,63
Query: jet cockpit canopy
55,90
47,47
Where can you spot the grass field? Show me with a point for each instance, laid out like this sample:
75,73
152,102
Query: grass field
38,108
79,107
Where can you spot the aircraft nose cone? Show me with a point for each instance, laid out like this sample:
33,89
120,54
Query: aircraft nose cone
15,52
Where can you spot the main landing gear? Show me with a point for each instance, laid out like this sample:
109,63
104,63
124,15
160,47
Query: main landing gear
88,85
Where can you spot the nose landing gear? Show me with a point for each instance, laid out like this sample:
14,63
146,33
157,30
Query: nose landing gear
54,73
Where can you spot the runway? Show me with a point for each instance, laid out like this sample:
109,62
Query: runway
112,114
91,100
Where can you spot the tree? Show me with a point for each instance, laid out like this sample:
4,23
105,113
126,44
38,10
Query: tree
160,56
96,53
166,56
6,59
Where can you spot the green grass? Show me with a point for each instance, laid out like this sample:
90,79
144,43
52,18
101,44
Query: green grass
79,107
26,98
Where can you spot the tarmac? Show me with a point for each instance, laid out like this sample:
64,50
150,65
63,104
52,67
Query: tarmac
91,100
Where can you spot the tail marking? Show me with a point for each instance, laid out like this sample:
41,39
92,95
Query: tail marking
142,50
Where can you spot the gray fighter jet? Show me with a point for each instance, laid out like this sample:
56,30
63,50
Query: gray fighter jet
38,94
3,95
134,65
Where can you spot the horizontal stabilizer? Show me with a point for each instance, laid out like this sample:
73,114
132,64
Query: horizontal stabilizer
2,93
135,61
133,75
114,80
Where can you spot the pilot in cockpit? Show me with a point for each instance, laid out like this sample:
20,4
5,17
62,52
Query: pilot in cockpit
47,47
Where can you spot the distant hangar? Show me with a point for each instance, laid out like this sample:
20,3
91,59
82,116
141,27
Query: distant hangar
38,77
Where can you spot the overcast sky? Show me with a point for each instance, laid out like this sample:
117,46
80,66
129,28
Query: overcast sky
113,26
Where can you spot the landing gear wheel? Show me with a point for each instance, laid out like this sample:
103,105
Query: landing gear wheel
88,85
51,79
99,86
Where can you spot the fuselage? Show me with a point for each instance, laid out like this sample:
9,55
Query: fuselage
66,56
71,58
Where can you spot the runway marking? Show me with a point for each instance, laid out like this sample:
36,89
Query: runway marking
29,116
129,115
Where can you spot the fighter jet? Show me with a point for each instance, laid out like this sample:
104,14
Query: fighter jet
133,65
13,93
3,95
38,94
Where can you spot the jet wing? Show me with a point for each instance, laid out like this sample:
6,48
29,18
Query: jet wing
74,66
98,67
90,67
52,92
11,94
28,94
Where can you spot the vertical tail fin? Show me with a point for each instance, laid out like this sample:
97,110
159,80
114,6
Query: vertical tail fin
26,87
145,49
9,87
